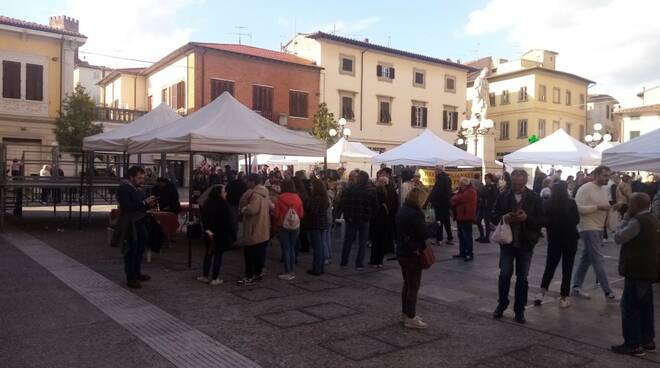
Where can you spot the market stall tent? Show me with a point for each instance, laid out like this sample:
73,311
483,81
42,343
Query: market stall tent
559,149
639,154
602,146
117,140
225,125
349,151
427,149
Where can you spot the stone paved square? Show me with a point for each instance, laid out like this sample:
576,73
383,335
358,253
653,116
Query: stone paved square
329,311
287,319
359,347
256,294
547,357
316,285
402,338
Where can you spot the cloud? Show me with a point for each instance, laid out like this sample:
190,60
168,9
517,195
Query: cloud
613,42
348,27
143,30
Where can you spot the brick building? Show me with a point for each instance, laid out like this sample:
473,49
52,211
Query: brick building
283,88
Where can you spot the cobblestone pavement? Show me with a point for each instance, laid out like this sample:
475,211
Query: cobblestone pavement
346,318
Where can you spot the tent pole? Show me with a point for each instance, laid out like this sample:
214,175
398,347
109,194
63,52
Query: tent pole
163,164
190,205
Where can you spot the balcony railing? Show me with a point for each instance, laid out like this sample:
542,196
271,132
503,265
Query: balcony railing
112,114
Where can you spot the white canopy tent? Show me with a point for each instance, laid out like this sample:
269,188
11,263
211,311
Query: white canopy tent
639,154
559,149
602,146
427,149
225,125
117,140
349,151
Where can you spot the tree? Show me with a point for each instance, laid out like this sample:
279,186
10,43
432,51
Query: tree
75,121
323,122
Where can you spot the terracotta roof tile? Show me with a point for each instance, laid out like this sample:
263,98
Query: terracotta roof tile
36,26
257,52
640,109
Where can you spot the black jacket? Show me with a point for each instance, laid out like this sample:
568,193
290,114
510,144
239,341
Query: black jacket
220,219
487,196
358,203
561,222
168,198
412,231
235,190
441,191
525,234
316,213
638,258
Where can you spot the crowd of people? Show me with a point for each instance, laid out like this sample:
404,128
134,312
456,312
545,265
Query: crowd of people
398,215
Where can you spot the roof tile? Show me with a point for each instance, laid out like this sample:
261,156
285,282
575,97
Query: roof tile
36,26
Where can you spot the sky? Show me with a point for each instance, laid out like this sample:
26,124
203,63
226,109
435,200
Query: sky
613,42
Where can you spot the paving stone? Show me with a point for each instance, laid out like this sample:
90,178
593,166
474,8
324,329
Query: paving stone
258,294
316,285
359,347
402,337
288,319
547,357
506,361
328,311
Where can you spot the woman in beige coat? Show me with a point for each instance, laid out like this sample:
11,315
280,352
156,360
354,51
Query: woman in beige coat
254,209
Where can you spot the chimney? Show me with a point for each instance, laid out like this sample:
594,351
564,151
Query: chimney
64,23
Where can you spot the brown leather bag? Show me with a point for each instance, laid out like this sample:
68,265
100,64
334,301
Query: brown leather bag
426,258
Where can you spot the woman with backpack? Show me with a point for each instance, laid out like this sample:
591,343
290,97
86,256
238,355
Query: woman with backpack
317,224
287,214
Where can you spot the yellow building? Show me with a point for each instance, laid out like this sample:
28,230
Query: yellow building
529,97
388,96
36,74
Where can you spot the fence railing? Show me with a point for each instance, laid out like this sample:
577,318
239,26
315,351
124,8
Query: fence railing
112,114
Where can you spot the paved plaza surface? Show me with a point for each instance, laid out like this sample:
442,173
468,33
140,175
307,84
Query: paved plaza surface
64,305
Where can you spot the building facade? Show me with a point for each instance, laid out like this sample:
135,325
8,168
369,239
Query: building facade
529,97
640,120
281,87
88,76
36,75
388,96
600,110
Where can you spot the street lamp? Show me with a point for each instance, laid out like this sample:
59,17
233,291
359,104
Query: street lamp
474,127
343,131
597,137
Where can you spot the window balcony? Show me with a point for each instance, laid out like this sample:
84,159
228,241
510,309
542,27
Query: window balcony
112,114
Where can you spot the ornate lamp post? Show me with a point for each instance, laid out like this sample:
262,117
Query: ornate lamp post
343,131
597,137
475,127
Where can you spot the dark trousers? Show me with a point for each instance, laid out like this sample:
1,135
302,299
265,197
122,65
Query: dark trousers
304,240
520,258
255,257
359,229
564,251
412,277
442,215
465,241
637,312
213,257
318,237
135,252
483,221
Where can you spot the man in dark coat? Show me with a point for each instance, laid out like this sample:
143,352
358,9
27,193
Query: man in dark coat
439,199
167,196
358,204
132,232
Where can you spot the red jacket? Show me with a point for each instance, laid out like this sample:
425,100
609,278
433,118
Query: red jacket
283,203
465,204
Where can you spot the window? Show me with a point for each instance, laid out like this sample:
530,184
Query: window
556,95
418,115
581,101
541,128
522,94
504,99
11,79
385,72
347,107
419,78
34,82
384,110
581,132
150,103
163,95
522,128
347,64
568,98
569,128
504,130
449,118
298,104
450,83
634,134
542,93
491,99
218,86
262,100
177,95
555,126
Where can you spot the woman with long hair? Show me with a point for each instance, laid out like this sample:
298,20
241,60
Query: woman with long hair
220,223
562,220
287,215
379,228
317,224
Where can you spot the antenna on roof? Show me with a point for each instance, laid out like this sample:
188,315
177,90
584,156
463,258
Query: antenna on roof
389,40
240,34
334,29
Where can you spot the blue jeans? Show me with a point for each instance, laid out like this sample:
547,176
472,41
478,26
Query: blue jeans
317,237
592,254
327,252
637,312
352,230
522,258
465,241
288,240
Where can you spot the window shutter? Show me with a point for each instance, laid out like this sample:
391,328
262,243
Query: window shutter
413,115
11,79
34,82
391,73
454,120
255,97
424,115
379,70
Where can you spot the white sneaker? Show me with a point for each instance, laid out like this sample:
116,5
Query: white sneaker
580,294
612,298
286,276
538,299
216,282
564,303
203,279
415,323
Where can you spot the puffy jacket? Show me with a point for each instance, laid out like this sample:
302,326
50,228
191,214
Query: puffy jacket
283,203
254,206
411,231
465,204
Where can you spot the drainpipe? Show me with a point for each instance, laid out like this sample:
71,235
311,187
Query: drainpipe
61,71
362,83
201,103
135,92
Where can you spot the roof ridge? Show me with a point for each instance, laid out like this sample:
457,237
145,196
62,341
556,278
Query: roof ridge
16,22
